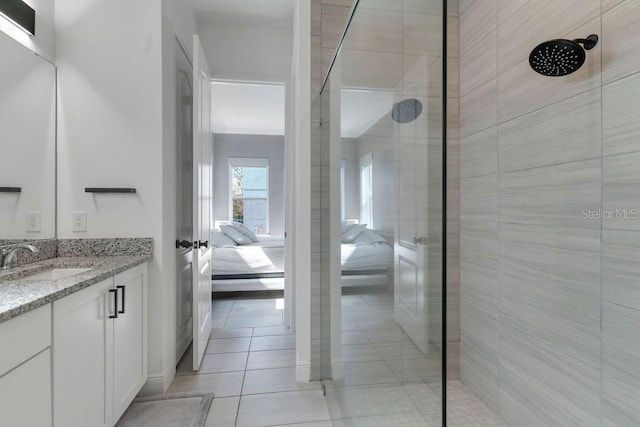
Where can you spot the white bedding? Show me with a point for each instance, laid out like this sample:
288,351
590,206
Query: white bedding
372,256
267,256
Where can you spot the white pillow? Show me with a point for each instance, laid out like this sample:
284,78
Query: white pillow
368,237
237,236
347,227
221,240
245,230
353,233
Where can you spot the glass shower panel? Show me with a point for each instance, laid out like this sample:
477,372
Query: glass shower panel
383,106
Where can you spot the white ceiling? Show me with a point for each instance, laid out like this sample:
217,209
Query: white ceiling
361,109
259,109
268,13
247,108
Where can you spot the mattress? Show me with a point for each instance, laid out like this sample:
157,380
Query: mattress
264,257
372,256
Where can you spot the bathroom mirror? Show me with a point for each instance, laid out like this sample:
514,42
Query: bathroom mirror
27,144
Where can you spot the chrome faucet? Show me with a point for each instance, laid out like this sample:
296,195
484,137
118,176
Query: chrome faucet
9,255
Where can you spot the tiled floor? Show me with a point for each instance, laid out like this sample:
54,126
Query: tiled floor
250,366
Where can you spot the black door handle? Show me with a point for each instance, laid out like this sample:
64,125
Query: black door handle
202,244
184,244
121,287
115,303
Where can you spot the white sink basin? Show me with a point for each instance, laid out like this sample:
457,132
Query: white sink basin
57,273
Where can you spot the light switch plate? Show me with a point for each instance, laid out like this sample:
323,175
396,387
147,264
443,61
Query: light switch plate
79,220
33,222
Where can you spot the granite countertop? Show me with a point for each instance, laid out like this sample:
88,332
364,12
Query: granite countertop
19,294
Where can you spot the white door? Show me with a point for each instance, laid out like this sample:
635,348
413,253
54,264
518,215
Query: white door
202,161
417,242
184,201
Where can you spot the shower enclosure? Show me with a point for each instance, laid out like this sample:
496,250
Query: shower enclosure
481,225
382,162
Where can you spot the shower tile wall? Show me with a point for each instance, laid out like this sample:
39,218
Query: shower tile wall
550,298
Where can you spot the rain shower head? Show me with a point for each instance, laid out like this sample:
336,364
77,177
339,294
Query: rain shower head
557,58
406,111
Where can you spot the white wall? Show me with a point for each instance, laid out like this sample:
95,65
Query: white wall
43,43
352,177
261,146
113,83
247,52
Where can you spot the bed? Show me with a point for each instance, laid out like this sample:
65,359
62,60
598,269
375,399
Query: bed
258,264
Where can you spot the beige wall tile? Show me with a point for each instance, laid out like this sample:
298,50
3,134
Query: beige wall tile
620,104
620,42
564,132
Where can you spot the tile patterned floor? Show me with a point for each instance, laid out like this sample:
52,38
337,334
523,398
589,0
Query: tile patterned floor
250,366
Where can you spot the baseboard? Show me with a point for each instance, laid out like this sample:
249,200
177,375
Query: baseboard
337,371
303,372
157,383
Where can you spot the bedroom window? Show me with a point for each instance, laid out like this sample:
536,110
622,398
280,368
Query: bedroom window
366,190
249,190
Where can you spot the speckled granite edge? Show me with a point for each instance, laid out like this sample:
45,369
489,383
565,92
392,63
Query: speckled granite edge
21,295
105,247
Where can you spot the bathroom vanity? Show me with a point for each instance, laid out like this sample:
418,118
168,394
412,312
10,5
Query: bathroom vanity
73,332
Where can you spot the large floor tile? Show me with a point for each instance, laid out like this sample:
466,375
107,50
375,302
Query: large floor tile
271,359
365,373
282,408
228,345
231,333
221,385
247,322
359,353
274,380
223,412
225,362
271,330
273,342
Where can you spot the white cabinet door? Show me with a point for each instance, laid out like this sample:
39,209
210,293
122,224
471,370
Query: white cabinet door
83,380
25,394
129,342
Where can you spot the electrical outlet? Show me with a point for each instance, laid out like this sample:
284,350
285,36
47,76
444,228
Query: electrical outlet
79,221
33,222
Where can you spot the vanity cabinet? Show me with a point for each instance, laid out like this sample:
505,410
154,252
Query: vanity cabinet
100,350
25,369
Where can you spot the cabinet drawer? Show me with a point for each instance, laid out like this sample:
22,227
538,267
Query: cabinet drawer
25,394
24,336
